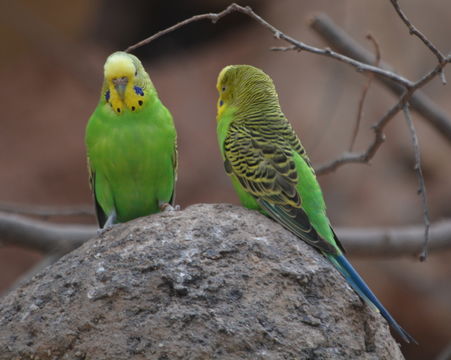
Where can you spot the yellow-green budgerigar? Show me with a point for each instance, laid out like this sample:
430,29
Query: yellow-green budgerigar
271,171
131,145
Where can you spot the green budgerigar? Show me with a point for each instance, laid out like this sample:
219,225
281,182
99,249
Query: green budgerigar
271,171
131,145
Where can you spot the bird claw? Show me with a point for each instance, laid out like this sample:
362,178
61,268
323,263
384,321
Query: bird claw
164,207
103,230
109,223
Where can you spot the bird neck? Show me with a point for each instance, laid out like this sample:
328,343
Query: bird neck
258,109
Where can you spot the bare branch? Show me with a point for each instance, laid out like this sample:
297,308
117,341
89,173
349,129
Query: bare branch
41,236
213,17
365,92
298,45
379,137
421,103
46,211
400,241
377,242
367,155
359,66
414,31
422,187
284,48
365,89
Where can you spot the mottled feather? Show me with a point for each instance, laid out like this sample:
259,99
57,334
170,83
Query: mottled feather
271,171
259,150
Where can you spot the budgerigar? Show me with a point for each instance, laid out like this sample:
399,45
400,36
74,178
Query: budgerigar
271,171
131,145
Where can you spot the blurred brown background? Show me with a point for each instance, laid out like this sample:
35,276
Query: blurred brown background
51,71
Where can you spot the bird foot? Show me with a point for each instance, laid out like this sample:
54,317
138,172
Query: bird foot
103,230
109,223
168,207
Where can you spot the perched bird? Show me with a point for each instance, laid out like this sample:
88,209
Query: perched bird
272,173
131,145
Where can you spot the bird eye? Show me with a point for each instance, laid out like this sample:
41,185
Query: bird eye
136,72
223,88
138,90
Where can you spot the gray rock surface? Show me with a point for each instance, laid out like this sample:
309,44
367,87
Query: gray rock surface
209,282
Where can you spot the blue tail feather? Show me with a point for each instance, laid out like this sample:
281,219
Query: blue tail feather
359,286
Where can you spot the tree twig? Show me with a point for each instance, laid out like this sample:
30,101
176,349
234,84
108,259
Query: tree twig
342,42
213,17
298,45
421,185
365,156
365,92
414,31
379,137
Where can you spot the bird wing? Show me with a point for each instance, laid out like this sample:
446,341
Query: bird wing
264,165
175,165
100,214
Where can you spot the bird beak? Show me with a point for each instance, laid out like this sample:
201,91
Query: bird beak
120,84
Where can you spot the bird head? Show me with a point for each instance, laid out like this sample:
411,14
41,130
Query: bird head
242,86
125,82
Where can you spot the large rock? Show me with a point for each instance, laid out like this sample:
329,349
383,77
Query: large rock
209,282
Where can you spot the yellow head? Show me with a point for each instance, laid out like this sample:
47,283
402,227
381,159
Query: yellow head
125,82
244,86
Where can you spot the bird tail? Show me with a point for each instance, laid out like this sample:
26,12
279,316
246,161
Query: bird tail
361,288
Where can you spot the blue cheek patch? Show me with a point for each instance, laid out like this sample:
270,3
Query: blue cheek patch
107,95
221,102
138,90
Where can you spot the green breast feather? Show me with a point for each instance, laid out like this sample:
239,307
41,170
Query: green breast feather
131,146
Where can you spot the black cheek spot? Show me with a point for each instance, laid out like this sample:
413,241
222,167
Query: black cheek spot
133,108
118,110
140,102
